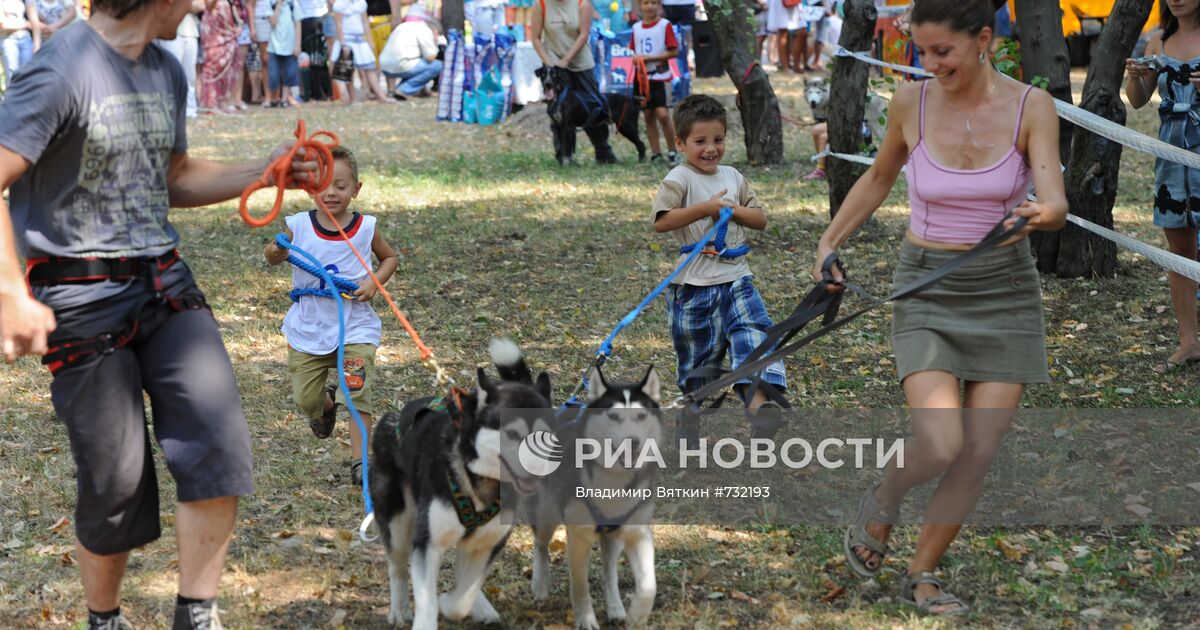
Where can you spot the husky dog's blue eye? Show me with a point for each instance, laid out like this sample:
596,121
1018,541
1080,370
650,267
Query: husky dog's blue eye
512,434
614,416
640,417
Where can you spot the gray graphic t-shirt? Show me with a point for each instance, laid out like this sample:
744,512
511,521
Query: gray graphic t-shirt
100,130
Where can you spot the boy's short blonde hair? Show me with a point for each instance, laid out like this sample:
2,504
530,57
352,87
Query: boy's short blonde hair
343,154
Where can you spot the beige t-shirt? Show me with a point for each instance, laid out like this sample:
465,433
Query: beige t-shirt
560,27
686,185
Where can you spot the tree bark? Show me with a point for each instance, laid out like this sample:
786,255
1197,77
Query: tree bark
848,100
453,16
1044,54
1095,161
733,25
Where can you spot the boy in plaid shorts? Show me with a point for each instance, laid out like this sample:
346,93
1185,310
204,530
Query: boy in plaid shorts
714,306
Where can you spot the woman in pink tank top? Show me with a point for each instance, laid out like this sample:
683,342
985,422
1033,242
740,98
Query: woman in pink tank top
980,330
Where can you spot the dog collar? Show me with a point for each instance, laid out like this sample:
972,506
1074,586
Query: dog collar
470,518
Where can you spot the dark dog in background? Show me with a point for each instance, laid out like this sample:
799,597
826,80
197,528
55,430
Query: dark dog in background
570,107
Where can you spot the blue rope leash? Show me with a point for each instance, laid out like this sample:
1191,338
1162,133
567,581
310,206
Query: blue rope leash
718,245
606,349
345,286
331,290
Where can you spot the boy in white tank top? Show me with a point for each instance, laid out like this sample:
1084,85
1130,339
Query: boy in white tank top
311,324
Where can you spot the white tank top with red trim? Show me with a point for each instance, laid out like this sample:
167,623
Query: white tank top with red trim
311,324
654,39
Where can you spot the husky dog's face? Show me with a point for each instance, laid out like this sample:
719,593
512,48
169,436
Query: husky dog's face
816,92
508,412
624,412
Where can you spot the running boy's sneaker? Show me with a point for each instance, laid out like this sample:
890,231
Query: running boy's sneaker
116,622
197,617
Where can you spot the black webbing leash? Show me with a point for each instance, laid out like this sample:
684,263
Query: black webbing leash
824,303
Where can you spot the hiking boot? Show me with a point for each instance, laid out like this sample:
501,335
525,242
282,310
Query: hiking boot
116,622
196,617
658,158
323,427
672,158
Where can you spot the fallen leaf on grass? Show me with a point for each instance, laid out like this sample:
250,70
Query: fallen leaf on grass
742,597
58,525
832,595
1140,510
1013,551
1057,565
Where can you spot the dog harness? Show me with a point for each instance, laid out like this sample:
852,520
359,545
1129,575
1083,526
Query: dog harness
605,524
470,518
52,270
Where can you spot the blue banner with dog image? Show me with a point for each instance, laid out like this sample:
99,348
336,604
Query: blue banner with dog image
614,62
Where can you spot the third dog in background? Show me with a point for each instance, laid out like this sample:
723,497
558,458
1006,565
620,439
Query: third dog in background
874,124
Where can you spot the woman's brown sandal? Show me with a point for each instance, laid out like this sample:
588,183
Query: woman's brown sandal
869,510
941,600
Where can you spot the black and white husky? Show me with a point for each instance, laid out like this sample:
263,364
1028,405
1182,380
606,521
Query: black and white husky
620,413
442,474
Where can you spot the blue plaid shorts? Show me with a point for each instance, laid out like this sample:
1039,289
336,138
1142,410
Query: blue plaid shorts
706,320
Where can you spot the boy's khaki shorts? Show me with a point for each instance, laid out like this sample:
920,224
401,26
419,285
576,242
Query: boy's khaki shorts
310,372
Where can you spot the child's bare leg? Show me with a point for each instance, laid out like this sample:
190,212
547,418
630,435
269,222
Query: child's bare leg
371,77
652,132
356,436
820,136
347,90
264,75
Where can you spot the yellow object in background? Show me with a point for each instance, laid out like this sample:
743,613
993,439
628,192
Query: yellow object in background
1090,8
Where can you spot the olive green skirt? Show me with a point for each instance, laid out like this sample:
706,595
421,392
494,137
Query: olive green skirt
984,322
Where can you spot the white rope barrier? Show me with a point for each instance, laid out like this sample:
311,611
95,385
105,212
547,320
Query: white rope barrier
1167,260
1076,115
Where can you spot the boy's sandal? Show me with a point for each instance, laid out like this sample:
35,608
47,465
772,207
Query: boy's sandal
766,421
869,509
322,427
941,600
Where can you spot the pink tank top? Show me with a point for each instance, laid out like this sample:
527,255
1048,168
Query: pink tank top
952,205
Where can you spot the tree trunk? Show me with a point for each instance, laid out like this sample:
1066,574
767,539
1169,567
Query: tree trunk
733,25
1044,55
453,16
1095,161
848,100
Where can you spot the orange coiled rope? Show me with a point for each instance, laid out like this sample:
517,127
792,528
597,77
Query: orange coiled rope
279,174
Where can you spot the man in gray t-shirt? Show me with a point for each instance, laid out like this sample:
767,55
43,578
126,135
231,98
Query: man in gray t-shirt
93,148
